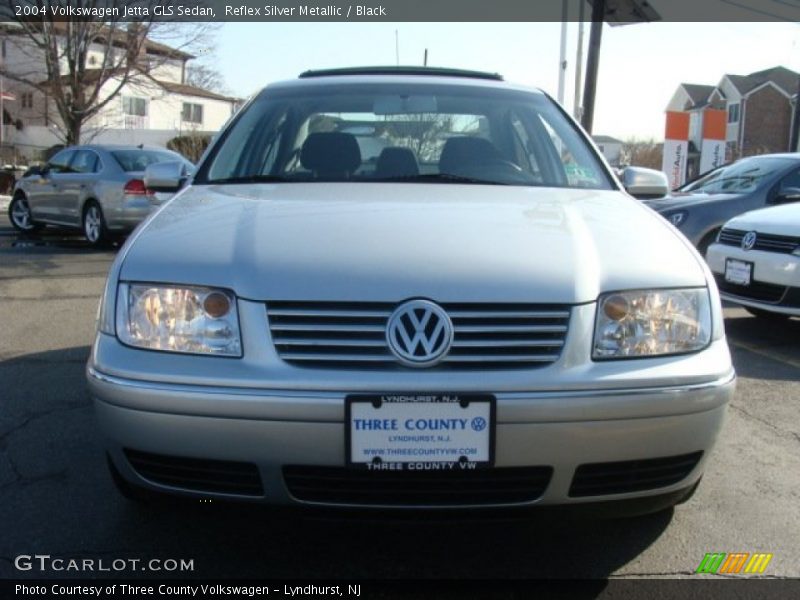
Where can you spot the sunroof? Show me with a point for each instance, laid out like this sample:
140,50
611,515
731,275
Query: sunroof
432,71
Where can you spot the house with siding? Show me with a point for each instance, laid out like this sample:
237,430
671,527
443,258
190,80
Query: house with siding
152,108
759,110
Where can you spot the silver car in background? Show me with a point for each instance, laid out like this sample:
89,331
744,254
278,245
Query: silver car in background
97,189
479,317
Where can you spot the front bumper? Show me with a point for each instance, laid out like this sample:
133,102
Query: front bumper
129,212
274,429
776,279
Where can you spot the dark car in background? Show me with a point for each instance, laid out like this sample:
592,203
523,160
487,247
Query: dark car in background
700,208
98,189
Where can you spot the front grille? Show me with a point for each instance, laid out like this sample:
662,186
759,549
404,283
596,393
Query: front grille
599,479
767,242
351,334
337,485
757,290
220,476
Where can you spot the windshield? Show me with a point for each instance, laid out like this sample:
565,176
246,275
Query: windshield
404,133
139,160
740,177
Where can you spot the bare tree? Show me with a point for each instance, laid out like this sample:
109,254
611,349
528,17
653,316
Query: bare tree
81,65
642,153
206,77
424,133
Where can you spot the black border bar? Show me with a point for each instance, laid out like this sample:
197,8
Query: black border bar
617,12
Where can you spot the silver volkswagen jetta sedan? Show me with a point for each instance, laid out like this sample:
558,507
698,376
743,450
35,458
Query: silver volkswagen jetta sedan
479,316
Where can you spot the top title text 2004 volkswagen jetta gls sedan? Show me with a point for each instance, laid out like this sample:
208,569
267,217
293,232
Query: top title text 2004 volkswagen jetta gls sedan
478,315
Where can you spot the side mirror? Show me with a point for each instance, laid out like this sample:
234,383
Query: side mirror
33,170
645,183
165,176
786,195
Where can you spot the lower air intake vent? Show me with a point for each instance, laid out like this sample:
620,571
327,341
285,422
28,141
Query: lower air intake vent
213,476
599,479
757,290
335,485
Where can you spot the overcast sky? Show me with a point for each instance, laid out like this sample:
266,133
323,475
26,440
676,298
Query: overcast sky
640,65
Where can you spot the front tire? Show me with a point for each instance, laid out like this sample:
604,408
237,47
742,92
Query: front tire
19,213
94,224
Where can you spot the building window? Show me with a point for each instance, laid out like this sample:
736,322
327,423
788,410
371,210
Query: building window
26,100
733,113
136,107
192,113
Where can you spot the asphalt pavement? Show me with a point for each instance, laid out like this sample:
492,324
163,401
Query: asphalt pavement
57,498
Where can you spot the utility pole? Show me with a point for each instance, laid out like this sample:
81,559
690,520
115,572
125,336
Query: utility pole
425,58
592,63
562,59
576,105
795,137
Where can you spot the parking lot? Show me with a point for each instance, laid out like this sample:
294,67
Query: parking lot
57,498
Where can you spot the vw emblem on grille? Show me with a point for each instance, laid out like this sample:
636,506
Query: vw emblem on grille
749,240
419,333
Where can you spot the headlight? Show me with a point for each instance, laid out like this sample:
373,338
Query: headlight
194,320
651,323
678,218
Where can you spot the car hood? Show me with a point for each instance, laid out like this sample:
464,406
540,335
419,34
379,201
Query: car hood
688,200
380,242
777,220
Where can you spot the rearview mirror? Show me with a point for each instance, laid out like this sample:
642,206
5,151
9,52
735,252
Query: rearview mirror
404,105
645,183
165,176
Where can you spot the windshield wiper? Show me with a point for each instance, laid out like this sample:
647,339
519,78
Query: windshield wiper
249,179
439,178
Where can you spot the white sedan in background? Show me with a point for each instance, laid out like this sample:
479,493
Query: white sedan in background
756,261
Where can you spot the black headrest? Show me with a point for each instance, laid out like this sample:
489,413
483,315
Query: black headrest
459,152
396,162
331,153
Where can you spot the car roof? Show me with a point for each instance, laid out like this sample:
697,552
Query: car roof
795,155
402,75
117,147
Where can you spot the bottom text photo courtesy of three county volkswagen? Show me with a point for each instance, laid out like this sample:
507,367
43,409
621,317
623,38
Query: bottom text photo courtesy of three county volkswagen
409,288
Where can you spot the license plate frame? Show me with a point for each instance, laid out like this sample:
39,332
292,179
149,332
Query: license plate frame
739,272
415,406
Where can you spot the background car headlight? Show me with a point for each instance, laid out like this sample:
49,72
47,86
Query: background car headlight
195,320
651,323
677,218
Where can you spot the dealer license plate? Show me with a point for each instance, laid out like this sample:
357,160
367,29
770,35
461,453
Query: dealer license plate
420,431
738,271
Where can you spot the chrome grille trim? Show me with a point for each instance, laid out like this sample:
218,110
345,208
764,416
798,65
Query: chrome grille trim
353,334
764,241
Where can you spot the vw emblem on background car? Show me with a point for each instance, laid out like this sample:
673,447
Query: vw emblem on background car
749,240
419,333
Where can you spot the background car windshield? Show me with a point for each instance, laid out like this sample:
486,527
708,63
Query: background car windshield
404,133
740,177
139,160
